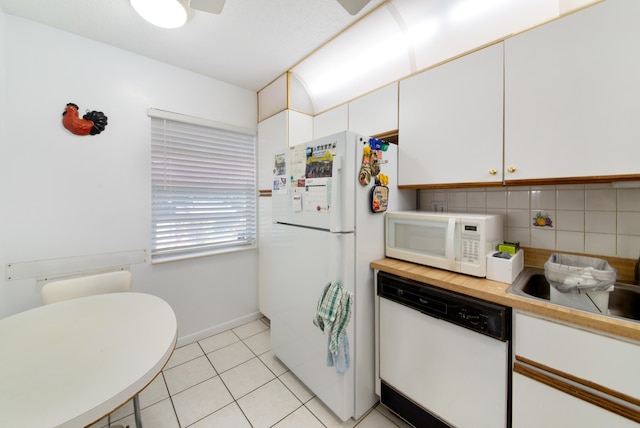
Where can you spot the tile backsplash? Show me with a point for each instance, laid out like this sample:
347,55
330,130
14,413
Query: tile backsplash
595,219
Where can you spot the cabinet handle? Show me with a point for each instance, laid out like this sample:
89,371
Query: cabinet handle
511,169
493,172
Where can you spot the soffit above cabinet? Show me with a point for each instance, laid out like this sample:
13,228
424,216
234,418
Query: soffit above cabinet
403,37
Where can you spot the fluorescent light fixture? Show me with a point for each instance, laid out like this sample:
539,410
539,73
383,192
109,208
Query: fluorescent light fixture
424,31
472,9
163,13
370,54
357,66
403,37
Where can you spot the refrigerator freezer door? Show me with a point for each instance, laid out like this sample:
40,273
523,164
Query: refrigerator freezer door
304,261
314,183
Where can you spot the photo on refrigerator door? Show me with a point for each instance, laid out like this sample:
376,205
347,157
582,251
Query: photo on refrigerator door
319,164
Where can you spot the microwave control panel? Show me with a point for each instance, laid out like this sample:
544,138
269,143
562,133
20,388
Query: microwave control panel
470,243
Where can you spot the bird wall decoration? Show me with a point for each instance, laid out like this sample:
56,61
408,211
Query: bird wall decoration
92,123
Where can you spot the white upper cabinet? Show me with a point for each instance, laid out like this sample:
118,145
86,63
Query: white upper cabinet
331,122
272,136
372,114
300,128
572,91
451,122
375,113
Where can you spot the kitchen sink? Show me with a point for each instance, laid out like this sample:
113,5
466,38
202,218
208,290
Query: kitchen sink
624,300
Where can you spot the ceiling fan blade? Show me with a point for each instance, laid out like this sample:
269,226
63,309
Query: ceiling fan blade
353,6
211,6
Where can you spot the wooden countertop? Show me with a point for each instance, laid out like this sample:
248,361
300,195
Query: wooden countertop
496,292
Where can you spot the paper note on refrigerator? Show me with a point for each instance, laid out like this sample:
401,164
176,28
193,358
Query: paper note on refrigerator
297,202
280,179
317,194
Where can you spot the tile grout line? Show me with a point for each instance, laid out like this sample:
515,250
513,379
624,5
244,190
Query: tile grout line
235,400
272,368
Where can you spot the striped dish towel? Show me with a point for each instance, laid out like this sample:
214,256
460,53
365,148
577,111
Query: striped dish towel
333,313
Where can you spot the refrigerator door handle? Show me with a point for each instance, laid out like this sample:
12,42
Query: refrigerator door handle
339,267
338,196
338,257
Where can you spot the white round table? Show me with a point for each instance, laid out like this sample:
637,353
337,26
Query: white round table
71,363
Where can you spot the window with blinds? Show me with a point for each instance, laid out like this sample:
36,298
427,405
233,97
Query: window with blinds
203,187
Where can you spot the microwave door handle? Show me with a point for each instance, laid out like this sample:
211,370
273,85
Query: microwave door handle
451,234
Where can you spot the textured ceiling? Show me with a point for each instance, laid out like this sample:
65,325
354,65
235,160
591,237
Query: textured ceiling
249,44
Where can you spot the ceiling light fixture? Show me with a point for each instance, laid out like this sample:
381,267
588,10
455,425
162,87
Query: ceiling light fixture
473,9
163,13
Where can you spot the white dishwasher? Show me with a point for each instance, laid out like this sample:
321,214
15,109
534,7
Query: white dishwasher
443,359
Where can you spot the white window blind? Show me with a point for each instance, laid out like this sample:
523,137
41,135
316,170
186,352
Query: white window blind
203,188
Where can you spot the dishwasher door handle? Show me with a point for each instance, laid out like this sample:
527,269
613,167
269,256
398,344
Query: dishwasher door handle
432,306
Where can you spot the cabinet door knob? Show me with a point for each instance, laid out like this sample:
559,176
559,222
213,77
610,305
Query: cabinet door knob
511,169
493,172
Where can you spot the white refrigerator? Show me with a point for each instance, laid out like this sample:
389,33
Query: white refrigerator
325,230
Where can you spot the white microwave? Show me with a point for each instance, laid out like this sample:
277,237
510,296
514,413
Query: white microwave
455,242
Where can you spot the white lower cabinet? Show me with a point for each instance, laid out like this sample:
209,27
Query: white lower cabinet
536,405
275,135
565,376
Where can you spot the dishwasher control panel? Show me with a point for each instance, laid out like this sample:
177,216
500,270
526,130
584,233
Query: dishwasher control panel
475,314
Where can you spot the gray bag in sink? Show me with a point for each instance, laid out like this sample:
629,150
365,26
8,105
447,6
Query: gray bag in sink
570,273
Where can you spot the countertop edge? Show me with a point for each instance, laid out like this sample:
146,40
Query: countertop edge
496,292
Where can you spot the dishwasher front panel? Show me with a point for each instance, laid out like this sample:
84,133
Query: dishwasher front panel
458,375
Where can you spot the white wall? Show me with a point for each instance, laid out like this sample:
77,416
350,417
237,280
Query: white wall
63,195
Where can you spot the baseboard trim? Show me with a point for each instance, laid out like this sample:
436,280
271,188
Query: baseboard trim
202,334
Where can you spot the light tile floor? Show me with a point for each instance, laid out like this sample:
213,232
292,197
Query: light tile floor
233,380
